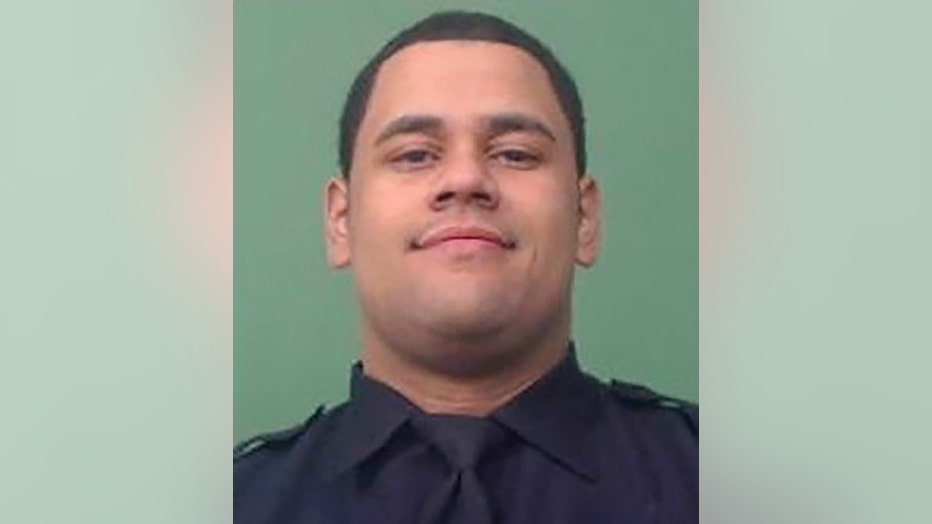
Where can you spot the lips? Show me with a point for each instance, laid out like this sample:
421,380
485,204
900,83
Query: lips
440,235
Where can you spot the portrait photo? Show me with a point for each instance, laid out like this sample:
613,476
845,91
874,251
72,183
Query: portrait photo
436,201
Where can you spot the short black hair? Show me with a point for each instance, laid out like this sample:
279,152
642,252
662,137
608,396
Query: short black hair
462,25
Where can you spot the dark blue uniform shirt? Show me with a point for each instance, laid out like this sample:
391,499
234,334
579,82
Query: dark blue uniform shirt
578,451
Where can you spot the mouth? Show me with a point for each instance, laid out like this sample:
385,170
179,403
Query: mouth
472,235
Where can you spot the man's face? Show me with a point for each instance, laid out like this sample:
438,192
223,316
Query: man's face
464,214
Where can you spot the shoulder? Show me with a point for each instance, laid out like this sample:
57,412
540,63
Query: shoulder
657,437
263,465
665,412
274,453
274,439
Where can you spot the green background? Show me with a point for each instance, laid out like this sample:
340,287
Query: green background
636,312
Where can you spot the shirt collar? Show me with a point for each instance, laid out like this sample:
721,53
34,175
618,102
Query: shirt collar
556,414
373,414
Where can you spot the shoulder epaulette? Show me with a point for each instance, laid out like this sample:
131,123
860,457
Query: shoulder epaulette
643,396
276,437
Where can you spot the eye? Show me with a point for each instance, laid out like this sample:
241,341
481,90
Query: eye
516,158
412,159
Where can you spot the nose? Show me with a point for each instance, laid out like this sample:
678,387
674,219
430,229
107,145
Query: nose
465,180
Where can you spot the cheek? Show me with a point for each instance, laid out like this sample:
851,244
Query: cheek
548,211
379,221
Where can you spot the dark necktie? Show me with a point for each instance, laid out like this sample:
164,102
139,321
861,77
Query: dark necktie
463,441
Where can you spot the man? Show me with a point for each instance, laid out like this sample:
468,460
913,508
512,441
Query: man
462,210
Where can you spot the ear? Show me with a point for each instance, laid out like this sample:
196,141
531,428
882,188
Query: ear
589,232
336,222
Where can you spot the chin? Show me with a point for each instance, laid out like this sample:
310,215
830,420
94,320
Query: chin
466,319
465,326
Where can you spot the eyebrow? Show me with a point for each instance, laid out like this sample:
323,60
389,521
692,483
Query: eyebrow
502,123
496,124
410,124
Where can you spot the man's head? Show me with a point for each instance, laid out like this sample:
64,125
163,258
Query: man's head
463,208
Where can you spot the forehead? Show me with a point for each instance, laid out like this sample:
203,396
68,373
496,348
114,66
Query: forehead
461,82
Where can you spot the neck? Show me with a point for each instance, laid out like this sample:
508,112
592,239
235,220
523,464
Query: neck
434,391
